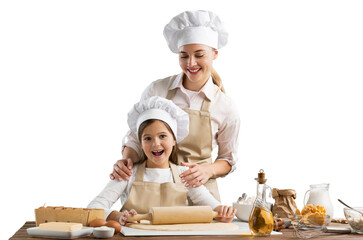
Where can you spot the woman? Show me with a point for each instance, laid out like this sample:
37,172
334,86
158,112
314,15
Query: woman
196,36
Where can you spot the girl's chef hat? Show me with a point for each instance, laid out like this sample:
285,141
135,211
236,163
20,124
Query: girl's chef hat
195,27
161,109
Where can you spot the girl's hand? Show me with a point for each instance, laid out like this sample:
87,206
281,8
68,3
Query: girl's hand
196,175
122,170
125,214
225,211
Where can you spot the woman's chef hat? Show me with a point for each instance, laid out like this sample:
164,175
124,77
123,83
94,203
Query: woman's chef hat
195,27
161,109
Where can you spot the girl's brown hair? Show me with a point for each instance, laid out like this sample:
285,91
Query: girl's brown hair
173,156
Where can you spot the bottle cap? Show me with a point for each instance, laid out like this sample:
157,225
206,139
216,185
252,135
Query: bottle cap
261,177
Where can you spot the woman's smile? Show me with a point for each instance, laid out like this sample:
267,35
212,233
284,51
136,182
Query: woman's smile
194,71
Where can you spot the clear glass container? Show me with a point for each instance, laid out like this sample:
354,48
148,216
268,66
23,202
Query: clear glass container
355,219
319,195
261,220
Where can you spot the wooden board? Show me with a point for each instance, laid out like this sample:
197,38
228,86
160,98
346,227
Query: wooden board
214,226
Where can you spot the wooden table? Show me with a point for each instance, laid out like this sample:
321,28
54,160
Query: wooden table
21,234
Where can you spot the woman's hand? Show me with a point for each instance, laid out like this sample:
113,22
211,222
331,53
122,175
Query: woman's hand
122,169
123,219
225,211
196,175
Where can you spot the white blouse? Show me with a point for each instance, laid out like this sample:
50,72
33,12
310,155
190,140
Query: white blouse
115,190
225,119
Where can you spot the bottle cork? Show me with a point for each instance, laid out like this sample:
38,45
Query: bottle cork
261,177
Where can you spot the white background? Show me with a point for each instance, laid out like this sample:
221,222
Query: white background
71,70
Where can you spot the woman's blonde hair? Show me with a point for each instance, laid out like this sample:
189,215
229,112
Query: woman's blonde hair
173,156
217,80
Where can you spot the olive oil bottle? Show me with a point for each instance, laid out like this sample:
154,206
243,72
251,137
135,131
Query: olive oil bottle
261,220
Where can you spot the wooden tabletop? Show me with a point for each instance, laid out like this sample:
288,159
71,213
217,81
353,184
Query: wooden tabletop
21,234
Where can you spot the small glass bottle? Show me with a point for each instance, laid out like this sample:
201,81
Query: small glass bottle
261,220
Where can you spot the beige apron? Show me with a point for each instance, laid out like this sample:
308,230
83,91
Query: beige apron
197,146
144,195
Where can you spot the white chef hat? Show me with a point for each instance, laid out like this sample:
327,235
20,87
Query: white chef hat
195,27
161,109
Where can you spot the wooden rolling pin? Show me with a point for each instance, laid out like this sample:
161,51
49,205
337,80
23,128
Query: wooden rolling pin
174,215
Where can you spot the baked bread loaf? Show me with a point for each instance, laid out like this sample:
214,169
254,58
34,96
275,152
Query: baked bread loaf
67,214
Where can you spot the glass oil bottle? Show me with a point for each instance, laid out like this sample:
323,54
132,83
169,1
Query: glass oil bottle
261,220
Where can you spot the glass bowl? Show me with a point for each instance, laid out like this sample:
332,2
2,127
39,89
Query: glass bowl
355,219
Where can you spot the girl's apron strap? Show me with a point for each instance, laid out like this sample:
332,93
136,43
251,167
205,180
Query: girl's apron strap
140,172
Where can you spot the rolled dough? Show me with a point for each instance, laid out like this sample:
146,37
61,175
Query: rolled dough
214,226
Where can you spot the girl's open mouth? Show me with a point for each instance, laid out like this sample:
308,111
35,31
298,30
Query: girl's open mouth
157,153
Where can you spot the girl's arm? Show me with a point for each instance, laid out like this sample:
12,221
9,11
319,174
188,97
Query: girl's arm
200,196
108,196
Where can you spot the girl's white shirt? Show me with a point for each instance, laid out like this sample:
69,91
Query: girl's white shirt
225,119
116,190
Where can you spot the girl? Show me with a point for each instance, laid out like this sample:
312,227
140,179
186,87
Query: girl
159,125
214,122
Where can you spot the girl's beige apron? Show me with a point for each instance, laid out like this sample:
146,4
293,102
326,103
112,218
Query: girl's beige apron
197,146
144,195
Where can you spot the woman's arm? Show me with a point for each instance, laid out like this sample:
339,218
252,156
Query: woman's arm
227,137
122,168
198,175
218,169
